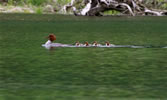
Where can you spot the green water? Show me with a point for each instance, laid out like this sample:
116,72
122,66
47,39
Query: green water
28,71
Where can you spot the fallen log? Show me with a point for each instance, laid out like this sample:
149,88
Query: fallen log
97,7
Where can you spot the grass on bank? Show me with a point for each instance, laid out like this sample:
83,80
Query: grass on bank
37,2
33,6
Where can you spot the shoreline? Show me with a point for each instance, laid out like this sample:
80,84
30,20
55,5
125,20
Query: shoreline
47,9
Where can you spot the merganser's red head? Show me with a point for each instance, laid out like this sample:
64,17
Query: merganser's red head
52,37
86,43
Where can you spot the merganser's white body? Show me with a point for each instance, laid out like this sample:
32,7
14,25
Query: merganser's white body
49,44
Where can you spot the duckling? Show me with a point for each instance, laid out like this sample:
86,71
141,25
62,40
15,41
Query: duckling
107,43
77,43
94,43
86,44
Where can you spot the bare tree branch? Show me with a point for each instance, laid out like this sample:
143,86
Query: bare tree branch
97,7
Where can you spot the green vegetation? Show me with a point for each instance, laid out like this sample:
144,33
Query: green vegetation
29,2
30,72
32,6
111,12
39,10
36,2
158,4
164,6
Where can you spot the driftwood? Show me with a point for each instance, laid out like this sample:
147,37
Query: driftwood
97,7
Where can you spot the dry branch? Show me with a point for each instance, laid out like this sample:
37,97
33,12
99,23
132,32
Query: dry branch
96,7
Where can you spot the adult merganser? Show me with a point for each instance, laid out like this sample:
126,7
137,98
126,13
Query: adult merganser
51,37
48,43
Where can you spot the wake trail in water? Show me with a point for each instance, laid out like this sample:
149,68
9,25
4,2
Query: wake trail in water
99,46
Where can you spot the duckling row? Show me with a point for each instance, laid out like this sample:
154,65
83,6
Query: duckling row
95,43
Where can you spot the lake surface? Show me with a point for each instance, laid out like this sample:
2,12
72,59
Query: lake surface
28,71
